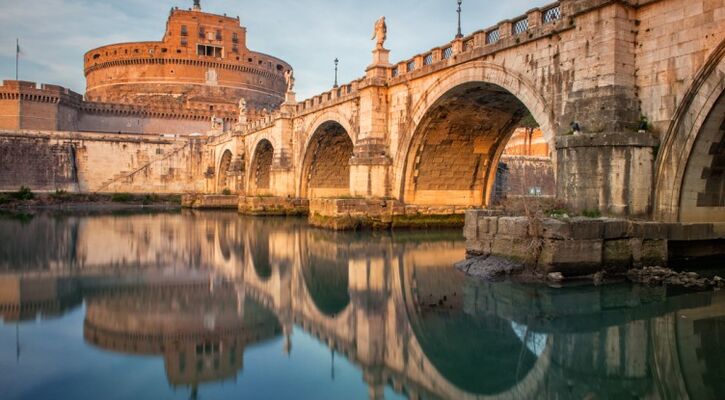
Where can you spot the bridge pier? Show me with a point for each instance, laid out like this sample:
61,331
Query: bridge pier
607,172
369,170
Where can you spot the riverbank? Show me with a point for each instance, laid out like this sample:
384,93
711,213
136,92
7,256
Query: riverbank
491,268
26,201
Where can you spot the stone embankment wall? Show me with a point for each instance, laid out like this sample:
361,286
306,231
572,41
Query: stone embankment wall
75,162
577,246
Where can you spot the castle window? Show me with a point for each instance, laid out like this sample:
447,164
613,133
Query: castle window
202,32
279,67
95,56
184,30
235,49
209,51
235,38
184,42
218,34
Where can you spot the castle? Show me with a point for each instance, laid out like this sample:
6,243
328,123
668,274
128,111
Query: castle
199,70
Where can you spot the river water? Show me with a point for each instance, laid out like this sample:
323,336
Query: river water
214,305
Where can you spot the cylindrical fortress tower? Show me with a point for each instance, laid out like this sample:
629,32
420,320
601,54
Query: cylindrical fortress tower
202,60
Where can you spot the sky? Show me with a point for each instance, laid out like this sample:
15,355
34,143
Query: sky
308,34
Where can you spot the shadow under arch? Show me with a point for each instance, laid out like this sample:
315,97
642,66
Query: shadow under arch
325,169
260,172
481,104
324,262
224,164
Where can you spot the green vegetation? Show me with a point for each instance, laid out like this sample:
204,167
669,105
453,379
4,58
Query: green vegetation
594,213
226,192
121,197
24,194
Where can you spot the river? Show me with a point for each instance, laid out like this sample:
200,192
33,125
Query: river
212,305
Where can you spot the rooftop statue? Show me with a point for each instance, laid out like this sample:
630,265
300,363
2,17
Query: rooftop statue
381,33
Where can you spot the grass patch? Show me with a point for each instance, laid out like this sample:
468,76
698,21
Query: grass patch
23,194
122,197
594,213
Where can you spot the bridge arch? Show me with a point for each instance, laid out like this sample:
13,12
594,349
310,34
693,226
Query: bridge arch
688,183
260,173
325,163
223,175
458,130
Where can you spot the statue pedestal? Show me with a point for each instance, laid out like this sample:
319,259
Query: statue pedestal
289,98
381,64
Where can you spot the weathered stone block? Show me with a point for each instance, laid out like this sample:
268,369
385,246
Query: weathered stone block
556,229
571,257
479,247
513,247
617,253
648,230
615,228
584,228
513,226
654,252
690,231
487,226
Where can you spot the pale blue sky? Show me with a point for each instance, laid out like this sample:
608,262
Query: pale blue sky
309,34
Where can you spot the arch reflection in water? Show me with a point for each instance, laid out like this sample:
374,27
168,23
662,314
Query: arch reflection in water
218,285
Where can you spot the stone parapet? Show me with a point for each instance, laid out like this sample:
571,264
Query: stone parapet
578,246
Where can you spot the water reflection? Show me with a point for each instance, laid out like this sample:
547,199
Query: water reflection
200,290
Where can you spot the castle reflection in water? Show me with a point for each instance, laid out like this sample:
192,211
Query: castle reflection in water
198,289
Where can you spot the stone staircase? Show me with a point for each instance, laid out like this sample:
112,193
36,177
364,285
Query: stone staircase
123,175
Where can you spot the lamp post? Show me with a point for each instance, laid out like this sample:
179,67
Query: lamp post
459,34
336,62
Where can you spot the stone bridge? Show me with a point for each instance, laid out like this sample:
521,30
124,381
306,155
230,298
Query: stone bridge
627,92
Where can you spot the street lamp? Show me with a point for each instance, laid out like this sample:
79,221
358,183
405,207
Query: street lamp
459,34
336,62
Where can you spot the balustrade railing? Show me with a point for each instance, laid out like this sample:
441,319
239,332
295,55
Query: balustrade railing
552,14
520,26
493,36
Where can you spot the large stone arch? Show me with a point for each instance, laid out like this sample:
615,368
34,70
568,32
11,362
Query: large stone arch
225,162
481,76
690,146
324,166
260,171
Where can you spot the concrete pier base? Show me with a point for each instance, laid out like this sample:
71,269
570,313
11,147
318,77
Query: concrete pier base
580,246
351,214
260,205
210,201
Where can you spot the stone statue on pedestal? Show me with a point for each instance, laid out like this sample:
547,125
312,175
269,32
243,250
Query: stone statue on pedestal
381,33
289,77
242,111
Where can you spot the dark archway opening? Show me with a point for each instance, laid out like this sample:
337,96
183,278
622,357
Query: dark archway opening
326,166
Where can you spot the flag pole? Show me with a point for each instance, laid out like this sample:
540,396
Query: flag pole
17,56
